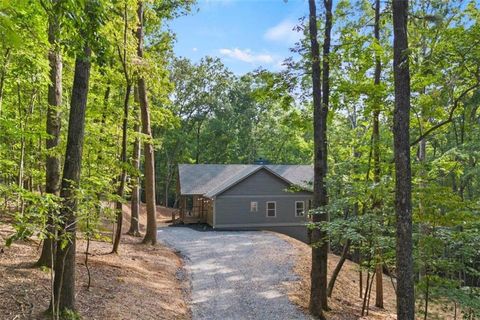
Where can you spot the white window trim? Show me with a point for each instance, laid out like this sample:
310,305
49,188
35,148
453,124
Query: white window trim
266,209
251,206
303,209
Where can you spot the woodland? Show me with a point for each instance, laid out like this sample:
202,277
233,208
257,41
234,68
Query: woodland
381,97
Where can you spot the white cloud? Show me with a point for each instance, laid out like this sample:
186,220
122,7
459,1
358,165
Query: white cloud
283,32
194,49
247,55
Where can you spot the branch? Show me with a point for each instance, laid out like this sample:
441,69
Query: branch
450,116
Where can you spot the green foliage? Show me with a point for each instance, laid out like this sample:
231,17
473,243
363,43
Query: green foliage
203,113
32,221
217,117
445,102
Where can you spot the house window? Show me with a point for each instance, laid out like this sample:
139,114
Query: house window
299,208
271,209
253,206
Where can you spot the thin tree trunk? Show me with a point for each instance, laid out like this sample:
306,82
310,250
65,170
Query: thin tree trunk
427,293
151,234
369,292
123,175
379,284
338,267
168,177
123,154
64,282
21,161
52,174
21,126
318,294
377,203
135,201
30,142
365,296
403,185
21,166
325,107
87,252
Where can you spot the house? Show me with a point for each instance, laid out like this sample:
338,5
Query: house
246,197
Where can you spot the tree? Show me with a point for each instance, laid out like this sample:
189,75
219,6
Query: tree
318,295
403,175
52,184
151,233
122,179
135,201
64,282
377,203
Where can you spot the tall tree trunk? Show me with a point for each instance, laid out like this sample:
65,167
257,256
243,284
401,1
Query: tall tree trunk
52,174
318,294
64,282
403,185
21,126
135,201
21,161
123,153
123,175
323,143
151,234
377,203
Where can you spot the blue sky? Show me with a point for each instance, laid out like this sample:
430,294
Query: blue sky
245,34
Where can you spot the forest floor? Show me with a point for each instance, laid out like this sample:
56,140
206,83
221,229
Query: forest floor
345,303
141,282
149,282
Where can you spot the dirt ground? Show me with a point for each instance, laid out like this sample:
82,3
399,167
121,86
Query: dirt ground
148,282
345,303
141,282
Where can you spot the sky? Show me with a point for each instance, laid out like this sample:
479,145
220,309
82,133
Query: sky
245,34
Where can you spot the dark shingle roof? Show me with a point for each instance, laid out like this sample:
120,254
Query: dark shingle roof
212,179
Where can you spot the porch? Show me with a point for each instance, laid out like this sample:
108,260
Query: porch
195,209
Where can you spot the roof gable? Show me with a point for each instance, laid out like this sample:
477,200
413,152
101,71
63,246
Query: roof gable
212,179
238,179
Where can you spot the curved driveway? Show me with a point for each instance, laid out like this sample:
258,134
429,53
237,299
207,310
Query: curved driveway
235,275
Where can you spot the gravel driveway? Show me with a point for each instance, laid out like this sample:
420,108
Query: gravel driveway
235,275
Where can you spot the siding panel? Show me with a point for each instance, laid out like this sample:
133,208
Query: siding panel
236,210
232,207
261,183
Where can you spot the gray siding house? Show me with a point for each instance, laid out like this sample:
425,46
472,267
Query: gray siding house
247,197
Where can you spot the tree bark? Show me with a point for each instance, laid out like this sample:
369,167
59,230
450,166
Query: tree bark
123,153
151,233
135,201
323,143
403,186
318,294
377,203
64,282
52,174
338,267
123,175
